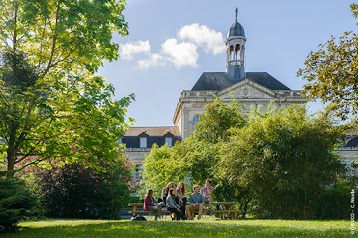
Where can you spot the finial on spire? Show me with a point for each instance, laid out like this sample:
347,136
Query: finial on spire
236,13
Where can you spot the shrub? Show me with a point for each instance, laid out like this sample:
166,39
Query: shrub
72,191
16,202
335,202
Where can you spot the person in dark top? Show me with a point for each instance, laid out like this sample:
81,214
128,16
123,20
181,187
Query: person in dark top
173,206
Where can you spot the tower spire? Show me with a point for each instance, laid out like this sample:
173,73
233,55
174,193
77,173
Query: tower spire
235,51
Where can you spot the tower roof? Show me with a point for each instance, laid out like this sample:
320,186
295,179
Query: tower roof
236,29
221,80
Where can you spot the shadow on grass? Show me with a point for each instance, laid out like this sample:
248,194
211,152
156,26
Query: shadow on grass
214,228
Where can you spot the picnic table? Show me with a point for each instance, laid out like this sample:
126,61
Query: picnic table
221,209
225,209
137,208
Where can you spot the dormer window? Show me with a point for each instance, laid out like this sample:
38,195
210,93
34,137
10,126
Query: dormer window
169,141
168,138
143,142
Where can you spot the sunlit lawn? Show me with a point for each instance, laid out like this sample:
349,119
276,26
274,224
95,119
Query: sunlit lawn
207,227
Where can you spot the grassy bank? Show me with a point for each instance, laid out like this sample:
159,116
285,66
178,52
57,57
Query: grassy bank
207,227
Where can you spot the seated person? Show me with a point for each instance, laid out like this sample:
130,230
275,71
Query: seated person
207,190
149,204
165,192
181,197
181,194
173,206
196,202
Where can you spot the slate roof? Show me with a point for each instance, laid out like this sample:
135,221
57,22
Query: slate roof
266,80
154,135
220,80
153,131
213,81
236,30
352,142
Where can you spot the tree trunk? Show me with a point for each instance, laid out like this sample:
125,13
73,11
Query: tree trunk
10,163
11,151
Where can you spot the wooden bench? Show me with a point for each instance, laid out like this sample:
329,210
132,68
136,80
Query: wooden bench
135,211
226,210
220,209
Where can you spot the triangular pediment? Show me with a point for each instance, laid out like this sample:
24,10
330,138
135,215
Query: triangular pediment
246,89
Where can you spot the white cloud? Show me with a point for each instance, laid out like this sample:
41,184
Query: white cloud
180,53
202,36
152,61
129,50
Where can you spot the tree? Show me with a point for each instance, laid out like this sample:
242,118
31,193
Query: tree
51,103
284,159
332,73
158,168
16,202
194,159
62,35
199,152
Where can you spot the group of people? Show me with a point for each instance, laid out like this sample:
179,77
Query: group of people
175,200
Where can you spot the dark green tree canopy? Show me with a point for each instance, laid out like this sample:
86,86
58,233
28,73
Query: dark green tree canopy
284,159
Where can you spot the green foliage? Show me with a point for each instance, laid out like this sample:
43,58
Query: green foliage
284,160
276,164
158,169
72,191
62,35
16,202
51,103
73,118
334,200
194,159
216,121
332,72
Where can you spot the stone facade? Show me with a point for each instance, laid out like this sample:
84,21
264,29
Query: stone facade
192,103
251,89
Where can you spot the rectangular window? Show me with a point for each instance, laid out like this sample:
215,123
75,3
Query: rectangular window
169,141
143,142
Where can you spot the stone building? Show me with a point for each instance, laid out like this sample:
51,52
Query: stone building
251,89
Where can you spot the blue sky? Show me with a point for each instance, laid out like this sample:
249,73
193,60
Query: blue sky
171,43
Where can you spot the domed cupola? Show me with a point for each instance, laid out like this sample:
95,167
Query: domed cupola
235,51
236,29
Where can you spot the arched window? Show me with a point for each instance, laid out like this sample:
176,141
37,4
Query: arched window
195,120
232,53
237,49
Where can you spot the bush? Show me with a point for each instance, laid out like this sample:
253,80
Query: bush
72,191
335,202
16,202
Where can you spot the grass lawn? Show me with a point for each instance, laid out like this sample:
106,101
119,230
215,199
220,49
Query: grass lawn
207,227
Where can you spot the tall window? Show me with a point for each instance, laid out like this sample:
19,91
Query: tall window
169,141
195,120
143,142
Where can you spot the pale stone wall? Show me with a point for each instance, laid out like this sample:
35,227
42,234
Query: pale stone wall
251,95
